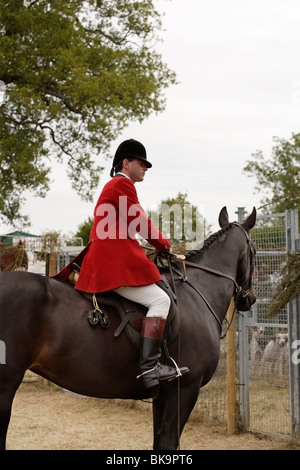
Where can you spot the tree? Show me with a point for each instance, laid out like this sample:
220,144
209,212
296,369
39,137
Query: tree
180,221
279,176
84,230
75,74
288,288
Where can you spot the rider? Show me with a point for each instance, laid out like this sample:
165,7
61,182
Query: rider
116,261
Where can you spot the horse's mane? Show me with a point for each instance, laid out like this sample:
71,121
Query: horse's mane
190,255
193,254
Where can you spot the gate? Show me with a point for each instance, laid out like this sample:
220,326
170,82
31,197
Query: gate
268,370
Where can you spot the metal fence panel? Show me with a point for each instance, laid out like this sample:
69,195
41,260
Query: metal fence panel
268,399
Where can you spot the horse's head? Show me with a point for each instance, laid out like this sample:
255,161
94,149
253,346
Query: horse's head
246,296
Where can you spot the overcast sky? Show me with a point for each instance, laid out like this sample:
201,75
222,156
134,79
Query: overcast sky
238,65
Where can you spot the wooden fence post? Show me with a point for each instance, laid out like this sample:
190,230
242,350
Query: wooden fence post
52,263
231,392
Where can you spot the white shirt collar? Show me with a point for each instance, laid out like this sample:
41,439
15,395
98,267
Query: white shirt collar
123,174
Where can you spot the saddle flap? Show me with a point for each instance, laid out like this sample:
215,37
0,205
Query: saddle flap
132,314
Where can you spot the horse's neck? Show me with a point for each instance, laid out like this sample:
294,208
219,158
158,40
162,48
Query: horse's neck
221,256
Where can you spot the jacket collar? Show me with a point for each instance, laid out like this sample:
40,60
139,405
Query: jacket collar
122,174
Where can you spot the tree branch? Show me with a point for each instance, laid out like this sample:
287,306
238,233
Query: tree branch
63,98
52,133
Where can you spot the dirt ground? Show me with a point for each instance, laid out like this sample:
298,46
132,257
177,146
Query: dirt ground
48,418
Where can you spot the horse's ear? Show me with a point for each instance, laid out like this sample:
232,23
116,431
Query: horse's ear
223,218
250,221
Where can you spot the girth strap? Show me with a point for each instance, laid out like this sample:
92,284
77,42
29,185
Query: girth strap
123,323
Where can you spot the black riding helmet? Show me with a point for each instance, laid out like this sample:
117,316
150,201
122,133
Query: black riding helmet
130,149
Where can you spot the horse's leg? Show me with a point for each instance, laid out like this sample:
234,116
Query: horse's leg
5,411
170,429
8,389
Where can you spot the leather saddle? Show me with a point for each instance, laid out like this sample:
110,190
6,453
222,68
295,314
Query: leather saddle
131,314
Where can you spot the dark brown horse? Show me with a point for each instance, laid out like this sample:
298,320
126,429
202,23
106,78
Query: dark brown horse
13,257
43,325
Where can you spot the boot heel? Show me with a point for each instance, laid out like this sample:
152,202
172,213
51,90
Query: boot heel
151,382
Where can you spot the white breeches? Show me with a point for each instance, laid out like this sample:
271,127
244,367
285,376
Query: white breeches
152,297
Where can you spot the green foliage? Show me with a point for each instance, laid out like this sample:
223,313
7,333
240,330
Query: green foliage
84,230
75,74
289,287
279,177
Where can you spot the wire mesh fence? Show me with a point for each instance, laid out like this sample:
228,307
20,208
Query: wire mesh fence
265,375
266,352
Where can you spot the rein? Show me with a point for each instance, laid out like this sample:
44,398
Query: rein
213,271
184,279
239,290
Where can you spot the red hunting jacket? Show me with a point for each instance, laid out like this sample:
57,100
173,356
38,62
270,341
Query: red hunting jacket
114,257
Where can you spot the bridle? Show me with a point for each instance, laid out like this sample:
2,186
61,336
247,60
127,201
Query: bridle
242,289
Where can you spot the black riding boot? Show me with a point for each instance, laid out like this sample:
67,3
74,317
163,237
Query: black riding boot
152,371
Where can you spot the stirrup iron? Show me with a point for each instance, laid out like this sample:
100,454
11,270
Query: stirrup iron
178,371
147,371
